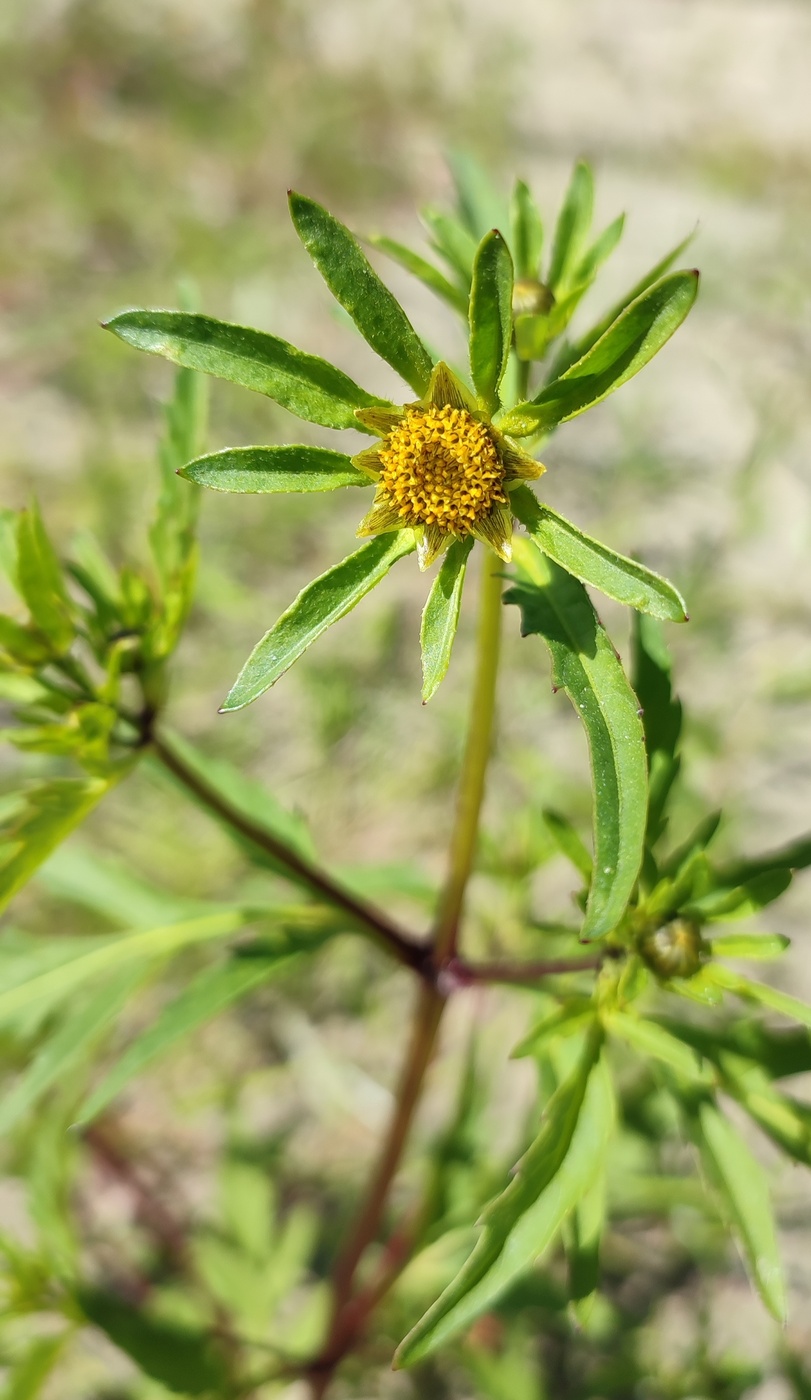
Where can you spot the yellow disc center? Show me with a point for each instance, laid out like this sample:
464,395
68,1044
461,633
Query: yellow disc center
440,466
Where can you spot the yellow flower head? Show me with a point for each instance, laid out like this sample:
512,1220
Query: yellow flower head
443,470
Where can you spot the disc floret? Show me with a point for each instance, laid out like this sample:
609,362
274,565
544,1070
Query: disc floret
443,470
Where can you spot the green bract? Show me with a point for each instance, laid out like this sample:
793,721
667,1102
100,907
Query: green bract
447,468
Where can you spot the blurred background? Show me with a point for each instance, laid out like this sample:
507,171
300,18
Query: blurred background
145,144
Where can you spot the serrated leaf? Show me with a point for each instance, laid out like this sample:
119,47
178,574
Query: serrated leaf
555,606
571,230
356,286
622,579
211,992
526,231
68,1045
304,384
744,1194
490,316
625,348
41,580
520,1224
419,267
265,469
182,1359
316,608
762,946
48,812
440,617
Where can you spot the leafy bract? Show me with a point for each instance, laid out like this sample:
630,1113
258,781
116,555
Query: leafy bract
519,1225
354,283
593,563
206,996
440,617
555,606
429,275
571,230
47,812
305,384
490,316
316,608
266,469
743,1191
621,352
526,229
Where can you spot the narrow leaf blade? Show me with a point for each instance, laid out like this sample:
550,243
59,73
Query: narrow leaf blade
252,470
555,606
574,222
47,814
304,384
419,267
354,283
527,232
316,608
440,617
490,316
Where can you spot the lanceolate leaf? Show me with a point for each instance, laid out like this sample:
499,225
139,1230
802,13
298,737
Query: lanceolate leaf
555,606
593,563
46,814
424,270
453,240
624,349
440,617
266,469
490,316
305,384
181,1359
315,609
759,992
519,1225
41,582
661,715
744,1193
527,232
354,283
572,227
211,992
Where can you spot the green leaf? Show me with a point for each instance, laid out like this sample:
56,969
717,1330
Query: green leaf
786,1121
750,945
661,715
211,992
264,469
795,856
478,202
26,1378
780,1053
600,250
577,1014
453,240
741,901
177,1357
624,349
745,1198
245,796
41,581
569,841
570,353
107,954
172,533
490,316
758,991
520,1224
650,1039
584,663
316,608
440,617
109,888
574,222
527,232
47,813
304,384
67,1046
354,283
584,1238
594,563
419,267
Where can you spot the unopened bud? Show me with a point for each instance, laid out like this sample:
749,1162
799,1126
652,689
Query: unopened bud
674,950
531,298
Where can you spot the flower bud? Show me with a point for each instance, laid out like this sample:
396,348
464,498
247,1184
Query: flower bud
531,298
673,950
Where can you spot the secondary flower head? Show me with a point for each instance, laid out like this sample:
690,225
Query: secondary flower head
443,470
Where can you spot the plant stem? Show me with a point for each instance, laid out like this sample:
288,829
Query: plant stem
474,765
458,973
362,915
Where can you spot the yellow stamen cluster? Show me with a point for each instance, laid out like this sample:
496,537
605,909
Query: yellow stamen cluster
440,466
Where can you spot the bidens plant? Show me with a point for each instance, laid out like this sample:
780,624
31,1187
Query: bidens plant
640,1029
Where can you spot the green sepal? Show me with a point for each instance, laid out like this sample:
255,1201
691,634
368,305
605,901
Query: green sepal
316,608
304,384
624,349
622,579
419,267
269,469
354,283
584,663
490,316
440,617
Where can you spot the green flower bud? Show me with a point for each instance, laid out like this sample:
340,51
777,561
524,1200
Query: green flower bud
673,950
531,298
